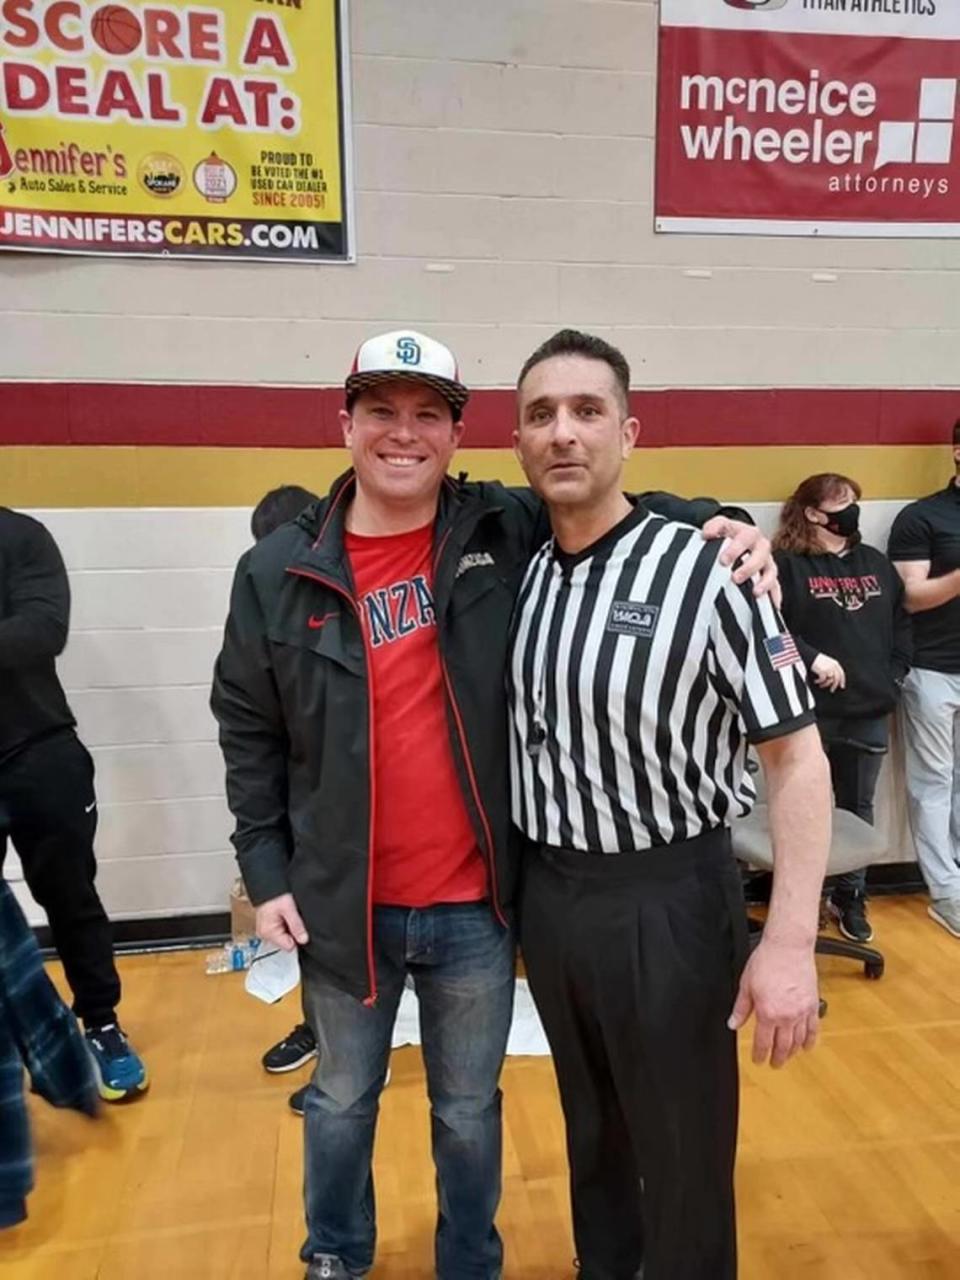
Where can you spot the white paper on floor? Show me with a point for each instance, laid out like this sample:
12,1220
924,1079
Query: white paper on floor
275,973
526,1032
272,975
527,1035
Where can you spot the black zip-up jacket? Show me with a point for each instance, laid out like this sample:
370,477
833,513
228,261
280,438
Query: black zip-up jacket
293,705
34,623
849,607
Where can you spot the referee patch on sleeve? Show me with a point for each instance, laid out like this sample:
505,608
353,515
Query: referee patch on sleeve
631,618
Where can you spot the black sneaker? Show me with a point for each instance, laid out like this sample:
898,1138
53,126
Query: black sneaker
850,914
292,1051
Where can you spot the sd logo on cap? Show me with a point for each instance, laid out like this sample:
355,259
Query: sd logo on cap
407,354
408,350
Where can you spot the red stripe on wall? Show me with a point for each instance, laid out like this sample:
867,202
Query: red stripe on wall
103,413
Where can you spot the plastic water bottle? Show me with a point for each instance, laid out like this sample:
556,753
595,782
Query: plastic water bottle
233,957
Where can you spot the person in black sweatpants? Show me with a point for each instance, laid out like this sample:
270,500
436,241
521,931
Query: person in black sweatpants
844,603
48,806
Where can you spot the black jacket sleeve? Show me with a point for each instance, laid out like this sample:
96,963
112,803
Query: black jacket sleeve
688,511
254,744
695,511
36,598
532,512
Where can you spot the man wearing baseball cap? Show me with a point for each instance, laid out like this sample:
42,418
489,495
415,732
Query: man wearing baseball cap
360,695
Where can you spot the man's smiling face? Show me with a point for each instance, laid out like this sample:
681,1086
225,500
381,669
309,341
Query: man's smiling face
402,437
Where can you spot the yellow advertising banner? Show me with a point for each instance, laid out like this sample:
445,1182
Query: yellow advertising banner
174,128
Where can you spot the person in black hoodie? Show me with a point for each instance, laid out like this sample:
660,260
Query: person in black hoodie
844,603
48,806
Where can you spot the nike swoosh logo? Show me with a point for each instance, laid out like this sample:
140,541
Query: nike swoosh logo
90,807
315,623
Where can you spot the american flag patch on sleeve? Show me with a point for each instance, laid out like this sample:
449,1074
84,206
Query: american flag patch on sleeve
781,650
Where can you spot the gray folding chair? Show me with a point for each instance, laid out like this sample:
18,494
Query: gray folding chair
854,844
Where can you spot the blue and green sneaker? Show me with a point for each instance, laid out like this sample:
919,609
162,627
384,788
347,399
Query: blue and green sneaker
120,1070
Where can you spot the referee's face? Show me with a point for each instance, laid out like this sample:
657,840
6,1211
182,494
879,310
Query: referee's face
573,432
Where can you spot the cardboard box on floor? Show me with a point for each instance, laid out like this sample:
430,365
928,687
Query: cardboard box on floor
243,914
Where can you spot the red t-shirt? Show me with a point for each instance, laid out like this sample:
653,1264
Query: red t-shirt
425,850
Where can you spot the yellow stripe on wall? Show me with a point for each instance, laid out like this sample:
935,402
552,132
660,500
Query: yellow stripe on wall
153,476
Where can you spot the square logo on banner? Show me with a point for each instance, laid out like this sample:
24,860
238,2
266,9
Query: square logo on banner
809,117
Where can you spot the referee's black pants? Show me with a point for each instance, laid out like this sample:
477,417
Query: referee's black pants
48,808
633,961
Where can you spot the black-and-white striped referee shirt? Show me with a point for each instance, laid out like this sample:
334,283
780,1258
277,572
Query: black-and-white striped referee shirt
639,673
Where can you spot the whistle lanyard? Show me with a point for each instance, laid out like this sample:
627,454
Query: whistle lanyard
537,728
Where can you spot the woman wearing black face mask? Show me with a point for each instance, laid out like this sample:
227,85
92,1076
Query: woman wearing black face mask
843,602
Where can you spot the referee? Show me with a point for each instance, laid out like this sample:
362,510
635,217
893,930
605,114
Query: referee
639,674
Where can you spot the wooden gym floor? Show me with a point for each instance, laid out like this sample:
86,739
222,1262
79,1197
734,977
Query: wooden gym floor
849,1160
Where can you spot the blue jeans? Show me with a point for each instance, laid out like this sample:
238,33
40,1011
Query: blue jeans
462,963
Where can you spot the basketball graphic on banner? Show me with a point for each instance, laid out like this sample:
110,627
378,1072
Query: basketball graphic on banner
115,29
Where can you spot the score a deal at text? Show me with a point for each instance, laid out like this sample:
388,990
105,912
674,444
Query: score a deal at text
161,35
74,28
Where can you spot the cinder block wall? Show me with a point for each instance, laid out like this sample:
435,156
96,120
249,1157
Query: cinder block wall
504,182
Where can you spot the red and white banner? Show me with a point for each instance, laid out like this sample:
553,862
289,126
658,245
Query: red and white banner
809,117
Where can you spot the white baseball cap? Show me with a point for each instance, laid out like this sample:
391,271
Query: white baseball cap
407,354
